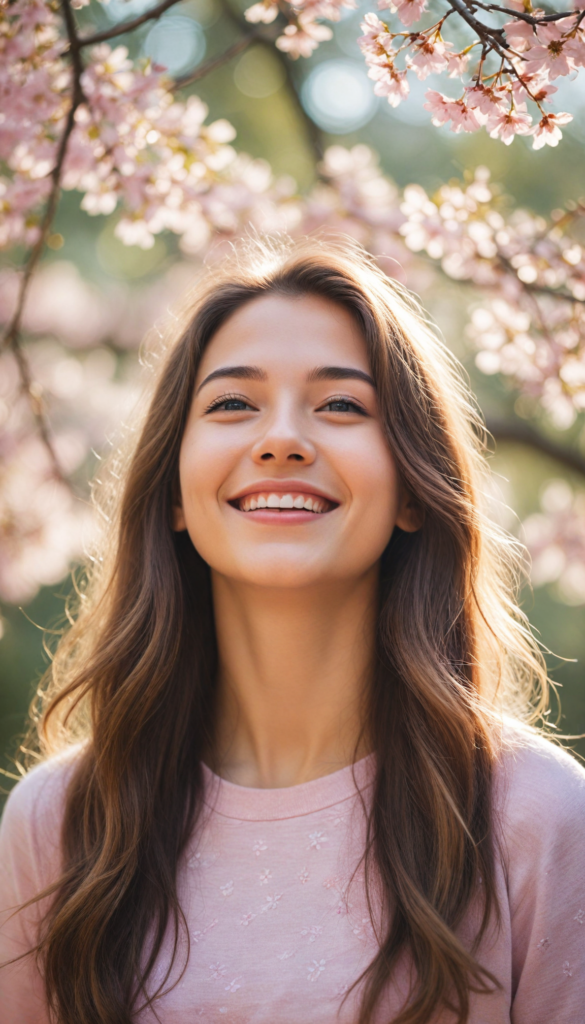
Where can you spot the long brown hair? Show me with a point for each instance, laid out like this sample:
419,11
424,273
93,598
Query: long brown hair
133,678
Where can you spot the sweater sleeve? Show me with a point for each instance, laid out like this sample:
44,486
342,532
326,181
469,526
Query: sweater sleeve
29,861
544,853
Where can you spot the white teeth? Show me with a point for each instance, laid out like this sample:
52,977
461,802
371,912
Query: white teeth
249,503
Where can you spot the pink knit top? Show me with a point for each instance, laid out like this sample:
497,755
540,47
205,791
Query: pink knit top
277,915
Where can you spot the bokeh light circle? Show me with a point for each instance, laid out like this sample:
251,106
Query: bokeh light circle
339,96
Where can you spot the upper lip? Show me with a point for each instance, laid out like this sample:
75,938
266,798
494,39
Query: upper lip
282,487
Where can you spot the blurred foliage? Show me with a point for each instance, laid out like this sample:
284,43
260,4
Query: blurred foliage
258,92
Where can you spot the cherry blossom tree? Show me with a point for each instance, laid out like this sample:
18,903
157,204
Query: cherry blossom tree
79,115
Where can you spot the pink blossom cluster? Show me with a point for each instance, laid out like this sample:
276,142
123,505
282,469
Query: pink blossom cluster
134,146
555,538
532,327
44,525
496,92
304,30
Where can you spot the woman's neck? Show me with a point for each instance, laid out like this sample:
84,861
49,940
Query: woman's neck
294,668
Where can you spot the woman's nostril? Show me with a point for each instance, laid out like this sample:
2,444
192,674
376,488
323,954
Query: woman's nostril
267,455
295,455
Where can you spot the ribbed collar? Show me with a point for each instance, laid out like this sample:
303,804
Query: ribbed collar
249,804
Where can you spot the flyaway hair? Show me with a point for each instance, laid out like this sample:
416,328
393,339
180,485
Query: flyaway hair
133,679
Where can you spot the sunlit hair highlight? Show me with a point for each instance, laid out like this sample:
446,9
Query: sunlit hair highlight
133,678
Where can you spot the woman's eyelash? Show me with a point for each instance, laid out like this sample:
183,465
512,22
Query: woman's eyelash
218,402
344,400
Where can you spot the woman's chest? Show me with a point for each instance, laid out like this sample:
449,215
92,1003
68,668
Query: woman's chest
278,922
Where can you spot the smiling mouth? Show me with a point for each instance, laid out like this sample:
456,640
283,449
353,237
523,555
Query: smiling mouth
293,501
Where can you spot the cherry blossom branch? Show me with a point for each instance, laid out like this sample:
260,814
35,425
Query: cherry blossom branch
521,16
314,134
126,26
495,38
521,433
217,62
13,332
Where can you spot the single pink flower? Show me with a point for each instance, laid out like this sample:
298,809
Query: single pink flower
549,54
575,49
486,101
510,123
457,64
438,106
548,132
390,83
430,58
463,119
408,11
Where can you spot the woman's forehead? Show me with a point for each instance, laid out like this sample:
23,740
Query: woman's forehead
286,333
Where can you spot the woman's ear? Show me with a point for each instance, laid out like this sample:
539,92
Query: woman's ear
410,514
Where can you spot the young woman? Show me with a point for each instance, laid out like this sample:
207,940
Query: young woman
285,775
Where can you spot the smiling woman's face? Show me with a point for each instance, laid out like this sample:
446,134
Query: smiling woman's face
286,478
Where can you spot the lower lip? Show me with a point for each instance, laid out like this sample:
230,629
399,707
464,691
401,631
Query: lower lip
294,517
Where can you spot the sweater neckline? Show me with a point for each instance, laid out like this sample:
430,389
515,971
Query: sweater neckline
246,803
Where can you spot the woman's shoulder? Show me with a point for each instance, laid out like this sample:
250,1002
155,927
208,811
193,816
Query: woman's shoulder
539,790
35,804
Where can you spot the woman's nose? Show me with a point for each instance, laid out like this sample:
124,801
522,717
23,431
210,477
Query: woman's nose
283,442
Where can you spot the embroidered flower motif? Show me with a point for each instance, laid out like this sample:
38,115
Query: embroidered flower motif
317,840
304,876
284,956
259,847
246,918
543,944
265,876
341,990
315,970
361,929
336,819
194,861
227,889
567,969
580,916
312,932
217,970
332,883
271,902
233,985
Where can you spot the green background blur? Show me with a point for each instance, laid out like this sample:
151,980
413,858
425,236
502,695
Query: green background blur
262,95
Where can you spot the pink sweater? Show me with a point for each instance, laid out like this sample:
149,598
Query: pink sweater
278,935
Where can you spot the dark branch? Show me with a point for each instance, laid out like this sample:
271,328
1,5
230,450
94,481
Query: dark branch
126,26
12,336
314,134
216,62
511,432
529,18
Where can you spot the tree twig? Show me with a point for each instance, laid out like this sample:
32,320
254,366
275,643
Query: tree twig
12,335
314,133
126,26
216,62
514,432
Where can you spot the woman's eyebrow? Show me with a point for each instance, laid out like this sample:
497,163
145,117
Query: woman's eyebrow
340,373
239,372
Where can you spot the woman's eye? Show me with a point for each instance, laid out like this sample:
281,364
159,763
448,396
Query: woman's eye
229,405
342,405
